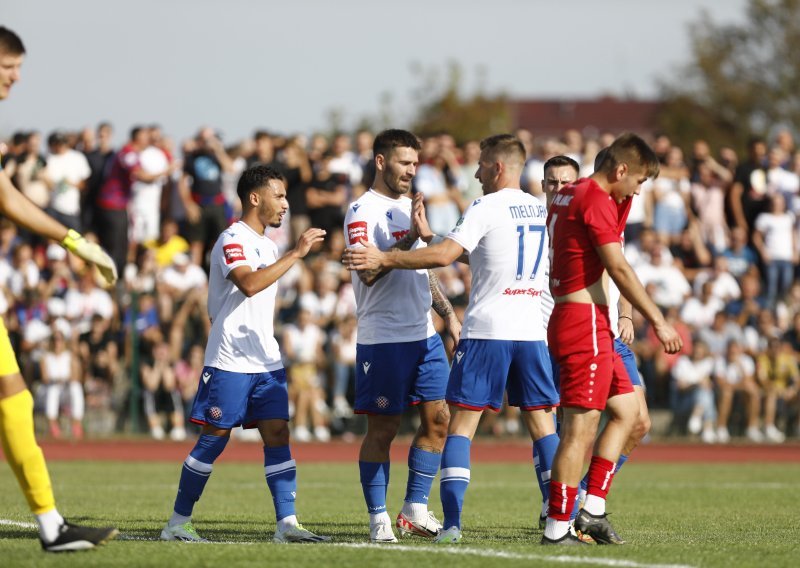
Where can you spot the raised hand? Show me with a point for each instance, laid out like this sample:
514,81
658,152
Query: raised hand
307,241
419,221
93,253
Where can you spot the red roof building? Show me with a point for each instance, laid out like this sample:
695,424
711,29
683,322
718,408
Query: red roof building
589,116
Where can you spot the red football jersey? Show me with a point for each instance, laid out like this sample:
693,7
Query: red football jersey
581,217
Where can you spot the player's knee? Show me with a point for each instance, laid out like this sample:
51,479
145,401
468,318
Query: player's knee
435,423
276,433
382,433
641,427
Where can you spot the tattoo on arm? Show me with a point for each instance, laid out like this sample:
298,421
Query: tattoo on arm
439,302
370,276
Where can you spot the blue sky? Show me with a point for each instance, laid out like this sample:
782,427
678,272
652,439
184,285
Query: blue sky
242,64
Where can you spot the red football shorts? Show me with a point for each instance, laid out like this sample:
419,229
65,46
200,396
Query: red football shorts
582,344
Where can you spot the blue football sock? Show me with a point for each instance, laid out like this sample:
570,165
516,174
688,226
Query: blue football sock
196,471
544,450
281,473
455,478
422,468
375,483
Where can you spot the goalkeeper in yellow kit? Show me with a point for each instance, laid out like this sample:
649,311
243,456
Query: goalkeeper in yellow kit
16,403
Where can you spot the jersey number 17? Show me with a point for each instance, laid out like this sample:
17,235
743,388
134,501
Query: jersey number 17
523,230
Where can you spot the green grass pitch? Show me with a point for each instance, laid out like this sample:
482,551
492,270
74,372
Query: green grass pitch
727,515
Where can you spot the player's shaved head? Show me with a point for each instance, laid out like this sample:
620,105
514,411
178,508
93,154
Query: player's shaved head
505,148
630,149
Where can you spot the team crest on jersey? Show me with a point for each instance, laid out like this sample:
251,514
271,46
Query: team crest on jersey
233,253
366,365
382,402
357,231
214,413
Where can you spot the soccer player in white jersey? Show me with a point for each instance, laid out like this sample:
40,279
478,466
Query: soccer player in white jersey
502,346
243,381
400,359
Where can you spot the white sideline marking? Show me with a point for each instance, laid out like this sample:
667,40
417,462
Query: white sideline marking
19,524
493,553
453,550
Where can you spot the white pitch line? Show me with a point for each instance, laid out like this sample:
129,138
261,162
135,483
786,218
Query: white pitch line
19,524
451,550
504,554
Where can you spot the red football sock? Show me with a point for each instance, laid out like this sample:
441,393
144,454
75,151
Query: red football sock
562,499
601,473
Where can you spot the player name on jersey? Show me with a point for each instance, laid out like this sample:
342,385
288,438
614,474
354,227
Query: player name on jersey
527,211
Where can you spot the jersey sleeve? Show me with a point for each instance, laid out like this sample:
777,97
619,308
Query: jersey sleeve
232,251
472,226
358,226
600,215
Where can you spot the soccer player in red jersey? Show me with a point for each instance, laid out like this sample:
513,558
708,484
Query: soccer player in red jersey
585,223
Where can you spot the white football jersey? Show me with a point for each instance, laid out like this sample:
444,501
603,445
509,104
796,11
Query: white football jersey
397,308
242,331
548,303
504,234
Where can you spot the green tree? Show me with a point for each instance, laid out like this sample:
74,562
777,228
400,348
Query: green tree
443,107
743,78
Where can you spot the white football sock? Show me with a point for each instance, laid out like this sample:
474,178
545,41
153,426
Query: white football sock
49,523
415,510
286,522
594,505
554,529
177,519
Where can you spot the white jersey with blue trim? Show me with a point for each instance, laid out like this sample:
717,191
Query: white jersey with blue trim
242,337
505,236
397,308
548,303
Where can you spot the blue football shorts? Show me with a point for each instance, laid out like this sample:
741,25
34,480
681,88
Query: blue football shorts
629,360
483,369
391,376
226,399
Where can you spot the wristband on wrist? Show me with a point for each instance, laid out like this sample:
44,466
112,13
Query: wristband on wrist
625,317
70,242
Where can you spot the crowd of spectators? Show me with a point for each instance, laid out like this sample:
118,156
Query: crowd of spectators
714,239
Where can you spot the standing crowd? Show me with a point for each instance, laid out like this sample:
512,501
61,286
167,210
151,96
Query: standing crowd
713,239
